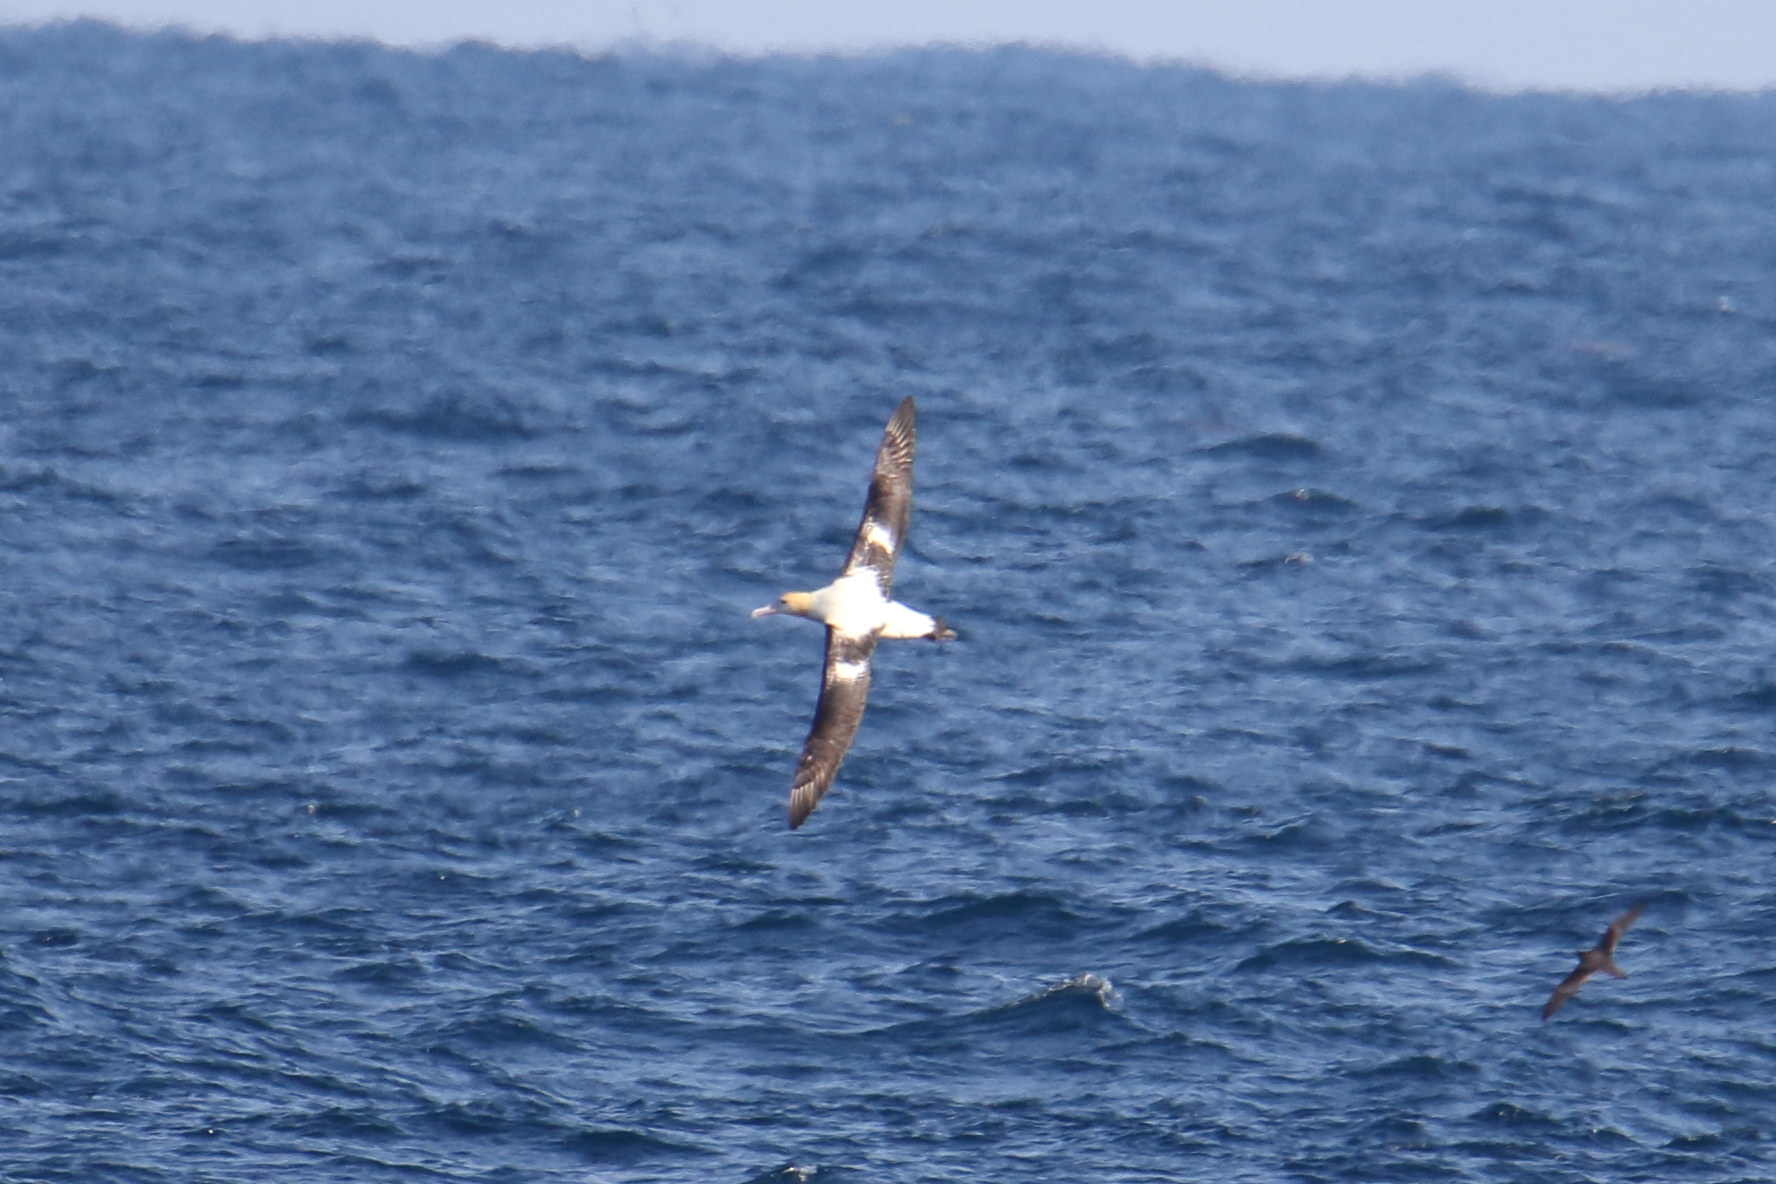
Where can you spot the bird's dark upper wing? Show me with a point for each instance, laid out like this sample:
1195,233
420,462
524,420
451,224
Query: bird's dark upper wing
1567,988
844,688
1617,928
890,503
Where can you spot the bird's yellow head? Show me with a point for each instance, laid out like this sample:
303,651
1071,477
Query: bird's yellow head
796,604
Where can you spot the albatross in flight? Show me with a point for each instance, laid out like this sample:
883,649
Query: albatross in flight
1598,957
857,613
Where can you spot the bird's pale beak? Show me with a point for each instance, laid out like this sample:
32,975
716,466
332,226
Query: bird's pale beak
768,610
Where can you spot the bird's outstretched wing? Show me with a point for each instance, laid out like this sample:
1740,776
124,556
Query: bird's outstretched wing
890,502
1618,927
1568,987
844,688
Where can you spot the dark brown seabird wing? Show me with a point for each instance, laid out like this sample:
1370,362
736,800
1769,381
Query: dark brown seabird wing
844,687
1617,928
890,502
1568,987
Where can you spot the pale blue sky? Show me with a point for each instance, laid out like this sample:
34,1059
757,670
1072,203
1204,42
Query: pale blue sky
1589,44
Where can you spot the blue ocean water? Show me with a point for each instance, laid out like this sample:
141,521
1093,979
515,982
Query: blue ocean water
1355,502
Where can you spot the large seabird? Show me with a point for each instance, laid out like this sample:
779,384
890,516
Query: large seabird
857,613
1598,957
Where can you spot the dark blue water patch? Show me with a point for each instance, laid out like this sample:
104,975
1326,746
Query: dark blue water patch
616,1146
1179,930
1327,955
1729,583
450,665
1275,447
453,416
1000,917
1496,520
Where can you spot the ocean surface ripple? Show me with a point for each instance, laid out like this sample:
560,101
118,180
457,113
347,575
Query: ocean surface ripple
1355,502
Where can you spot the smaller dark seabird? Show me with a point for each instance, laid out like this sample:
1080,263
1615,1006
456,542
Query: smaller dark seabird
1596,958
857,613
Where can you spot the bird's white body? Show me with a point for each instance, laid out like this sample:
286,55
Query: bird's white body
854,605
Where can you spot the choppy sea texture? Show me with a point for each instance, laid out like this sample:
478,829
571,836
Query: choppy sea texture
1355,501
